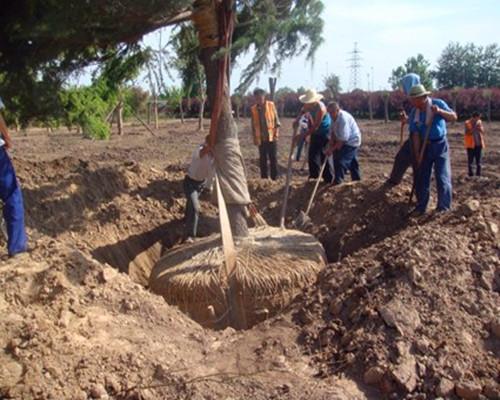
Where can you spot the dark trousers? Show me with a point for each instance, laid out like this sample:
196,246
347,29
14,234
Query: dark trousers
13,208
317,146
402,162
346,159
474,155
437,157
268,151
192,190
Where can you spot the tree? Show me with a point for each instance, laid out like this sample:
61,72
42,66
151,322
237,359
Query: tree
332,83
418,65
468,66
186,47
279,29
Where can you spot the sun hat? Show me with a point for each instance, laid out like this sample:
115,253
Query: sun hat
418,91
310,96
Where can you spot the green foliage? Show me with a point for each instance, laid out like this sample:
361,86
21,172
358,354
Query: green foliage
186,47
85,107
174,96
469,66
283,29
418,65
332,83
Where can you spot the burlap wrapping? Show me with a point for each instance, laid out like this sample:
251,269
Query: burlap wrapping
231,172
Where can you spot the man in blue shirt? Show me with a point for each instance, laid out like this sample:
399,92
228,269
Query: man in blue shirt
345,140
404,157
10,193
430,114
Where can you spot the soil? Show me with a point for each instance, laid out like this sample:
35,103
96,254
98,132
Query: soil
407,307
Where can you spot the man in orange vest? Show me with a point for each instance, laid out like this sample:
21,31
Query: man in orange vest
474,142
265,128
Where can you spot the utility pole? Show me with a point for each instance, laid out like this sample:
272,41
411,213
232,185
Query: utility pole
355,66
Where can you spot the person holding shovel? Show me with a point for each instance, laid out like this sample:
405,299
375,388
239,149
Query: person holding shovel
199,177
265,128
10,193
345,140
319,133
474,142
403,159
428,135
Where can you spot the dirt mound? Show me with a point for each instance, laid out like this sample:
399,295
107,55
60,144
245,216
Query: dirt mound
416,309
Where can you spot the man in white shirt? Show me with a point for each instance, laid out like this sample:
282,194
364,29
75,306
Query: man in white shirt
199,176
10,193
345,139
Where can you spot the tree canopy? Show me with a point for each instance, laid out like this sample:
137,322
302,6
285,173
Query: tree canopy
418,65
332,83
43,41
469,66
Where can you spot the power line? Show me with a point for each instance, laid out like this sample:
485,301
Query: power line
355,66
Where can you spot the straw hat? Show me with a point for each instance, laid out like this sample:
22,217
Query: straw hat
418,91
310,96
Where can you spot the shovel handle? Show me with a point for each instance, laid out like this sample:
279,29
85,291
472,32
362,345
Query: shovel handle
288,179
309,205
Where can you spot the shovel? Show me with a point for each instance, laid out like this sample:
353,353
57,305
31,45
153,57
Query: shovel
303,220
288,179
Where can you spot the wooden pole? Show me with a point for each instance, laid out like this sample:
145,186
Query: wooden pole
143,123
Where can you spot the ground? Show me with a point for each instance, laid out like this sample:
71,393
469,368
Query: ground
406,307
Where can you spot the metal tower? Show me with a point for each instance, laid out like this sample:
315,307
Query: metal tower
355,66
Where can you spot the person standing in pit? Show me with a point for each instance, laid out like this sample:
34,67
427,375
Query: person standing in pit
199,176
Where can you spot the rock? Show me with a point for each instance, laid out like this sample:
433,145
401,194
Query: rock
97,391
405,374
80,395
397,315
493,228
374,375
336,307
492,391
108,274
10,372
470,207
422,345
495,327
468,390
445,388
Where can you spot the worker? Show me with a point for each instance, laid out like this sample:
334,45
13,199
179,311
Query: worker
474,142
345,139
305,122
199,177
318,134
10,193
265,128
428,117
404,156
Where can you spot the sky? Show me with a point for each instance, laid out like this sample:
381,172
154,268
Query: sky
386,32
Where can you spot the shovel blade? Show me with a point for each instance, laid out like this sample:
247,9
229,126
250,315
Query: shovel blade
302,221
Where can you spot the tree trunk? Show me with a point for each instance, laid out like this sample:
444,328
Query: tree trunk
119,118
202,111
237,112
272,88
386,109
155,110
226,128
149,113
181,108
370,106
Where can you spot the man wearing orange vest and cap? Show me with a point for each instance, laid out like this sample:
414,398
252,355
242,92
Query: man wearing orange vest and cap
265,128
474,142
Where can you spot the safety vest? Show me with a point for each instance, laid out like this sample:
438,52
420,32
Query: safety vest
469,134
270,115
